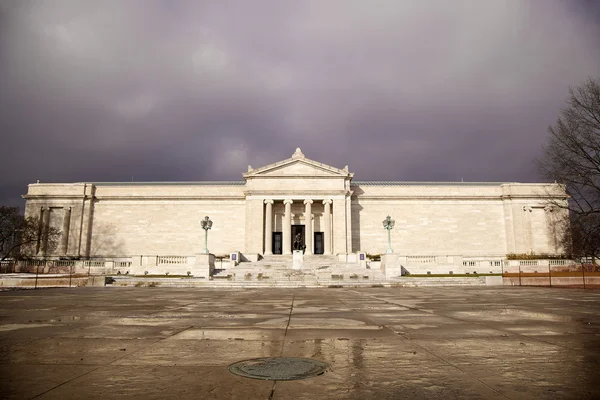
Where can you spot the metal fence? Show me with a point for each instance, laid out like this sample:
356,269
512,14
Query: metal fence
586,276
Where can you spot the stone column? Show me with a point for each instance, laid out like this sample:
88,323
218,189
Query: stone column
308,233
327,227
64,240
268,228
287,227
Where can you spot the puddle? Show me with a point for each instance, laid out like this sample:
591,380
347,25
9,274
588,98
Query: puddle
330,323
144,321
419,326
229,334
14,327
512,313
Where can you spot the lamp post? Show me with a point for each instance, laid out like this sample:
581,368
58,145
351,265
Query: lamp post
388,223
206,225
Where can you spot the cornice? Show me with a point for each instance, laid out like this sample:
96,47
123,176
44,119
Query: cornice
145,198
54,197
454,197
299,193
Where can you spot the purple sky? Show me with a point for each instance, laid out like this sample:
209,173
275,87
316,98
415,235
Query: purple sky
197,90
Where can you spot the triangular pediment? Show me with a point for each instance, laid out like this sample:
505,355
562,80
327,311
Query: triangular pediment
299,166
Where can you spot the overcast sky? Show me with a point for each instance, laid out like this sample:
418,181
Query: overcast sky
197,90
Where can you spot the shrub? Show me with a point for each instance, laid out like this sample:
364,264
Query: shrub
374,257
533,256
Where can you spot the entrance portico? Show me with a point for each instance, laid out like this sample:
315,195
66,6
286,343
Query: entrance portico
287,217
298,192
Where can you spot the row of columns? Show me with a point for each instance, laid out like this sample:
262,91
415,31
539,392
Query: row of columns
287,226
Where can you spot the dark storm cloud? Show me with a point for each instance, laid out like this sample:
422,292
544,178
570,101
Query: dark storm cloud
187,90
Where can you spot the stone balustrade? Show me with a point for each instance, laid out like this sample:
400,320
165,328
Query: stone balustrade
161,260
93,263
421,260
182,265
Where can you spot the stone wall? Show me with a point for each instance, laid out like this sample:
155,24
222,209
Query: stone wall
469,220
430,227
123,220
466,219
166,227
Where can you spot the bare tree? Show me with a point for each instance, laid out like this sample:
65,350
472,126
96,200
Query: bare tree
21,236
572,157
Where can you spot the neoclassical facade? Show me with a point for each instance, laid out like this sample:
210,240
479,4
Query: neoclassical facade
333,214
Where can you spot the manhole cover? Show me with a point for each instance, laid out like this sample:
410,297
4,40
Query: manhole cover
279,368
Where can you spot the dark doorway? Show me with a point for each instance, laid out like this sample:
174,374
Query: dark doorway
277,248
319,243
298,229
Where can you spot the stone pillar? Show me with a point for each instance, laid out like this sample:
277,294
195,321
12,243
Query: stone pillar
308,233
528,231
268,228
287,227
204,266
38,244
255,219
64,240
327,227
348,223
44,231
339,229
391,265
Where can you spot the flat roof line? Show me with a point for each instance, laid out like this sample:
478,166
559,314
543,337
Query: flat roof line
197,183
411,183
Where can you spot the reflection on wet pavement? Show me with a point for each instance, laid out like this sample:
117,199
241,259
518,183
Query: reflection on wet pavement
381,343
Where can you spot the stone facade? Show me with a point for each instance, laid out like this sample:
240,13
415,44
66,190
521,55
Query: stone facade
334,214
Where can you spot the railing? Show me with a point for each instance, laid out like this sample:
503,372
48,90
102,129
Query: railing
482,263
35,263
529,263
63,263
122,264
93,264
162,260
420,260
559,262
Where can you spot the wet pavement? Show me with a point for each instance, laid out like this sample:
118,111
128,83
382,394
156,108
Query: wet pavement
381,343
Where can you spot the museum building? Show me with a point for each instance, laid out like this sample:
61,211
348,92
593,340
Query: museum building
263,213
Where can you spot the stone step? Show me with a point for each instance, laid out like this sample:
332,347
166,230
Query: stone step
161,282
243,284
332,275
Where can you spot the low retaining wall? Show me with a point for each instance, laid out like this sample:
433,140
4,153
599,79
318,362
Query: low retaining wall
19,281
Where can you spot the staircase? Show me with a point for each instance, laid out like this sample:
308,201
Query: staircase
317,271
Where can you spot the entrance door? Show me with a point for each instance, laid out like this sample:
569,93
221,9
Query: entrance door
277,243
298,230
319,243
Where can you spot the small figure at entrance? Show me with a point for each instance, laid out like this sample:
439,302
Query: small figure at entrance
298,243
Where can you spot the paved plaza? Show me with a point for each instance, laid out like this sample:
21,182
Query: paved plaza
380,343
